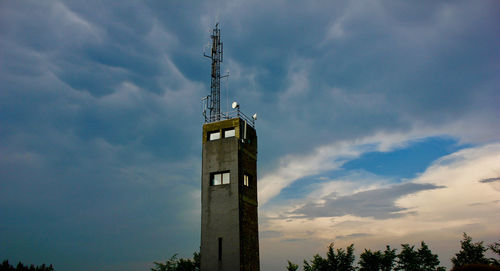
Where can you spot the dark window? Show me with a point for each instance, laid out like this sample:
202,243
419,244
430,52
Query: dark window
220,248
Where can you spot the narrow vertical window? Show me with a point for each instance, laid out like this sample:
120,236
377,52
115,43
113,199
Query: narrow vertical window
220,248
246,180
216,179
225,178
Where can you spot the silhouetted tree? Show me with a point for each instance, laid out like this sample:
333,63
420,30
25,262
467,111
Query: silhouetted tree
417,260
370,261
470,253
375,261
388,258
196,260
495,247
179,264
339,260
427,260
292,267
6,266
407,258
317,264
21,267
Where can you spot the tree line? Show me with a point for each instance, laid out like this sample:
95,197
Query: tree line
21,267
470,257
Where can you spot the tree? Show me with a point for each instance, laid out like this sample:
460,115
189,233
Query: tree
470,253
21,267
292,267
317,264
427,260
345,259
375,261
196,260
179,264
336,260
388,259
495,247
417,260
370,261
407,259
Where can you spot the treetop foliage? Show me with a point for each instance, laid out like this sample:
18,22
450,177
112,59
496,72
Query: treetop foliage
422,259
292,267
409,258
21,267
374,261
470,253
179,264
336,260
495,248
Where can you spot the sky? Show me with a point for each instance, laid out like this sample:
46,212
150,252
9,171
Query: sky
378,124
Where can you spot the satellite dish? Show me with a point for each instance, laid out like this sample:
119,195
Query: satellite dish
254,116
235,105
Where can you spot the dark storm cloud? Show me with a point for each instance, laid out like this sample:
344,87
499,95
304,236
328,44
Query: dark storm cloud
352,236
378,203
490,180
97,158
344,71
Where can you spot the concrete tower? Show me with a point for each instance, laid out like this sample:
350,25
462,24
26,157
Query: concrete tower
229,226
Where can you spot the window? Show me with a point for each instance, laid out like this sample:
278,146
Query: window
229,133
246,180
220,248
214,135
220,178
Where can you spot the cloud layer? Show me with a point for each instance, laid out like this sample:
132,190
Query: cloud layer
437,205
377,203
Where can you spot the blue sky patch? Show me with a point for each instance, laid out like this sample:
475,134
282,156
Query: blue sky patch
407,161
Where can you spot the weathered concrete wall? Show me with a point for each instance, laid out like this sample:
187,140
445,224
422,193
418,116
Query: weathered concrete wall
249,226
220,207
229,211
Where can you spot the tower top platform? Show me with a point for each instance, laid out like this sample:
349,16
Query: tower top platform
231,115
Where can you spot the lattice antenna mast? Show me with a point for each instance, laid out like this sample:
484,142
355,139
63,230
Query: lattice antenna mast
216,56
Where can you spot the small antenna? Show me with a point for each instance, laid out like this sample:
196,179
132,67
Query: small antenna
227,90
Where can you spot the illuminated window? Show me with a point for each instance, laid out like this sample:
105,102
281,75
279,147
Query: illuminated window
214,135
246,180
229,133
220,178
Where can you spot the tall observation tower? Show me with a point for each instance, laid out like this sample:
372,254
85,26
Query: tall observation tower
229,226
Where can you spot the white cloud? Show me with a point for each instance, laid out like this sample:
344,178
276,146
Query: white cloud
461,173
292,168
439,216
330,157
